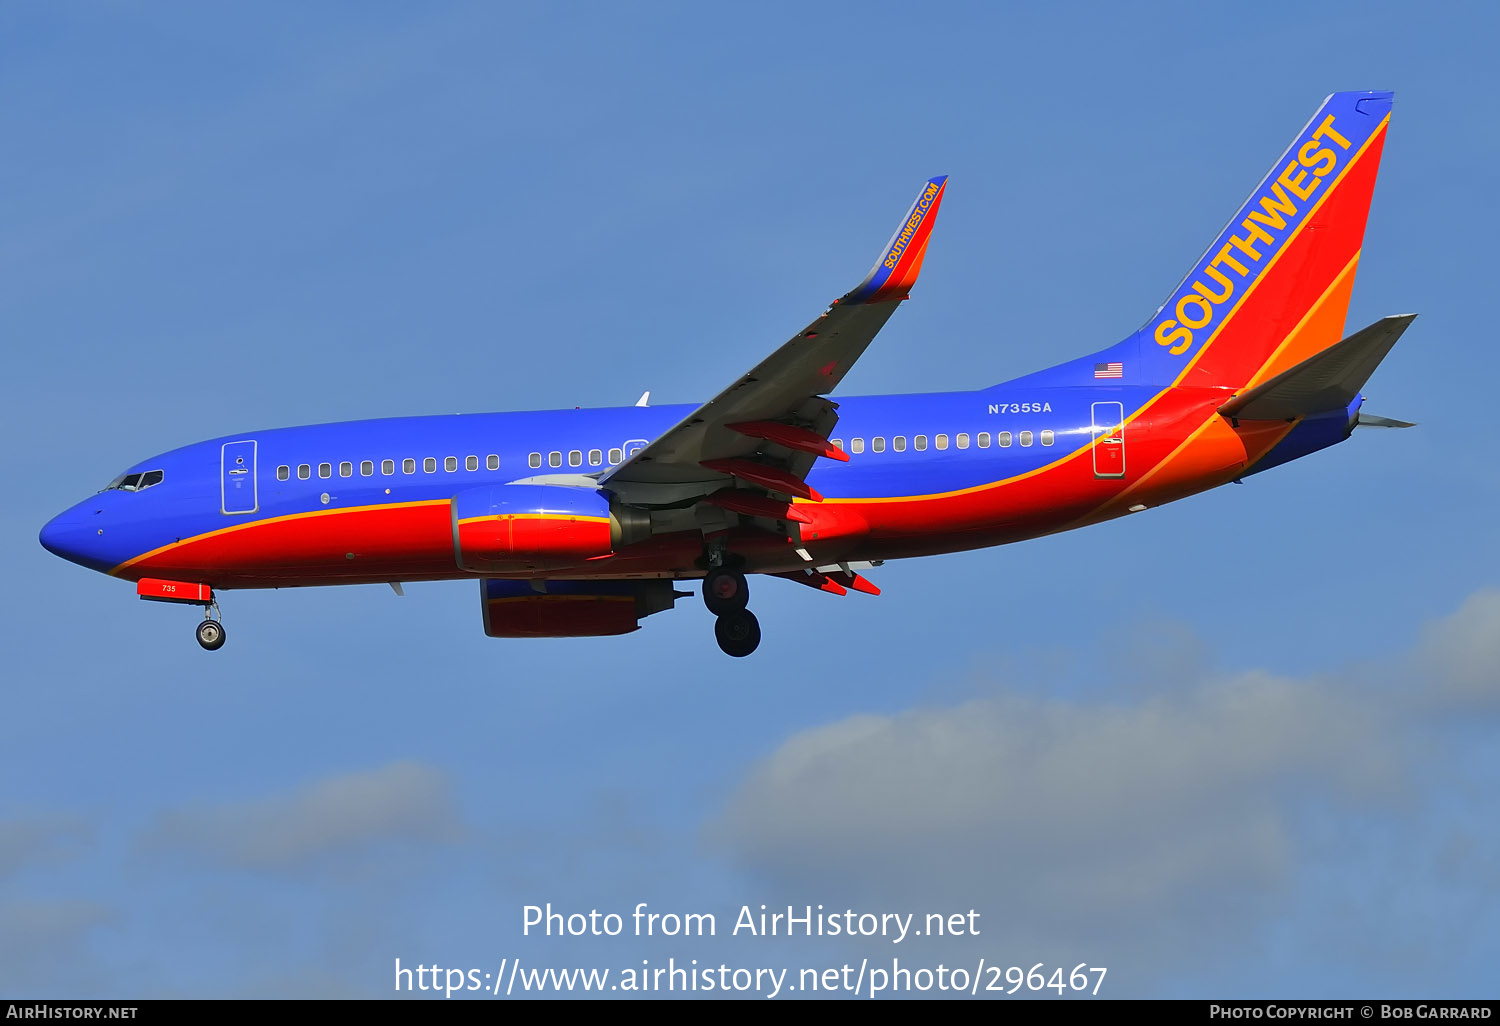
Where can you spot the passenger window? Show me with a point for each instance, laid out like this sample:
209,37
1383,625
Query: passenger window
346,469
877,445
554,459
1003,438
325,469
1025,437
492,461
408,466
387,467
575,458
429,465
1047,437
450,464
984,439
534,460
899,443
283,473
151,477
857,445
303,471
838,443
367,468
595,457
941,441
472,463
616,456
920,442
962,438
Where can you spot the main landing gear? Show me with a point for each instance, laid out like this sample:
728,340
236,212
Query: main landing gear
211,630
725,593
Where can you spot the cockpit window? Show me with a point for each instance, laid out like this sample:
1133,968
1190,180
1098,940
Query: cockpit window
135,482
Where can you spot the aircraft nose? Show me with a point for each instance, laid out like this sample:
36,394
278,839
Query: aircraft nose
61,535
71,536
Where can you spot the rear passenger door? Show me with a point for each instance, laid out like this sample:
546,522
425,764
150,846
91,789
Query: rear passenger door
1109,439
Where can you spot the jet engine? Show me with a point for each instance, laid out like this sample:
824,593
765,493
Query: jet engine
570,609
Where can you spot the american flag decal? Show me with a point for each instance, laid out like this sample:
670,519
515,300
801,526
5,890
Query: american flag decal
1109,370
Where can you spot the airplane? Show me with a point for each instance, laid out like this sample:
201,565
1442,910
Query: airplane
581,522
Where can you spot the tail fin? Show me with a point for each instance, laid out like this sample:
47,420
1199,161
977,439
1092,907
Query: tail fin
1273,289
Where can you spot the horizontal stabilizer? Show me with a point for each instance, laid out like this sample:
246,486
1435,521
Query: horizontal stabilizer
1370,420
1326,381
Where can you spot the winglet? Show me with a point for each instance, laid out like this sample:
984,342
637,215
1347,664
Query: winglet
901,261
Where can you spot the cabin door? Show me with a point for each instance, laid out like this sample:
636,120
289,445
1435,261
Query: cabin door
1109,439
237,478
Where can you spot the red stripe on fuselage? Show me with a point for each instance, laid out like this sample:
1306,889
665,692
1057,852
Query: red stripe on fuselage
403,541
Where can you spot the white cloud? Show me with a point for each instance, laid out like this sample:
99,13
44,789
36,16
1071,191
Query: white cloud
1461,654
402,801
39,839
1158,829
42,942
1156,795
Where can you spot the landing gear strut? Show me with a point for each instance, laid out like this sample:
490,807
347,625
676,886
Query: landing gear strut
726,593
211,630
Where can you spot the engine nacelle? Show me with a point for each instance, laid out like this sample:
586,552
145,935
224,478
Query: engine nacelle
570,609
522,526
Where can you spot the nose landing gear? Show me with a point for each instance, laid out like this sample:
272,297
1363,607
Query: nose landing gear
725,593
211,635
211,630
188,593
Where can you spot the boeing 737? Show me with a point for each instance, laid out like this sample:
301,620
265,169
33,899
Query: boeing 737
580,522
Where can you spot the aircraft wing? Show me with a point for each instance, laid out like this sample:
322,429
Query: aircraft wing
768,428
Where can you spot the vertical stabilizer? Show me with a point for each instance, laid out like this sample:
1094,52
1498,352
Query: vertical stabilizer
1273,289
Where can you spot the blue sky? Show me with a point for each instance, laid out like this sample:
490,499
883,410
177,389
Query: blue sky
1237,746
